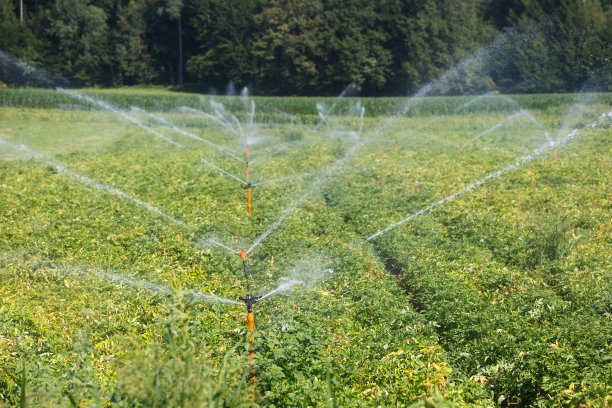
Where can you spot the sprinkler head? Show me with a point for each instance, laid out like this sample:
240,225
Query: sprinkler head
243,254
249,300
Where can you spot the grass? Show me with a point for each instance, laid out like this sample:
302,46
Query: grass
449,307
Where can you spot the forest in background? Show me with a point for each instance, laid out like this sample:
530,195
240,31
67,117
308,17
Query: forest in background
315,47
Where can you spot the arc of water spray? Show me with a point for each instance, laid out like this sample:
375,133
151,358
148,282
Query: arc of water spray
107,106
29,71
432,136
220,112
314,187
431,122
429,89
266,153
261,183
361,114
87,180
292,119
209,116
227,173
111,108
465,105
324,113
136,283
219,244
265,156
220,148
155,287
494,127
536,153
281,288
279,179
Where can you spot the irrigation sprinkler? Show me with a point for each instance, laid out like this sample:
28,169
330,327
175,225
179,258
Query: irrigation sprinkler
555,152
249,300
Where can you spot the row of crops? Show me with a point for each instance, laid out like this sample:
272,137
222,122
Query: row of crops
159,100
501,296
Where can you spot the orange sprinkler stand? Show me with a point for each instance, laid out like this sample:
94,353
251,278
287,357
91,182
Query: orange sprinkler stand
251,353
248,150
248,187
249,300
250,321
555,153
249,200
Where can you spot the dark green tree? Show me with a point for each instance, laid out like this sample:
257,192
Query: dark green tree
289,48
131,48
222,31
174,8
79,32
354,41
432,38
558,45
13,32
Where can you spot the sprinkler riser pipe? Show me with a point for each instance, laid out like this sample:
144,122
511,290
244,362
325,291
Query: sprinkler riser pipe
250,320
249,200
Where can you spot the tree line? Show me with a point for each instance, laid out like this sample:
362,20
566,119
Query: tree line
313,47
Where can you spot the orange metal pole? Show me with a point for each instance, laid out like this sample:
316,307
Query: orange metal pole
555,153
250,320
249,200
248,150
248,186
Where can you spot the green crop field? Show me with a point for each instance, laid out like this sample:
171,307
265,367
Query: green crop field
122,213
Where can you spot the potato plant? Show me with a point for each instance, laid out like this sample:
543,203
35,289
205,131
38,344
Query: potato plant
500,296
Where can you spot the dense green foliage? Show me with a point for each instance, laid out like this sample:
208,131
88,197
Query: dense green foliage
291,47
267,107
501,296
